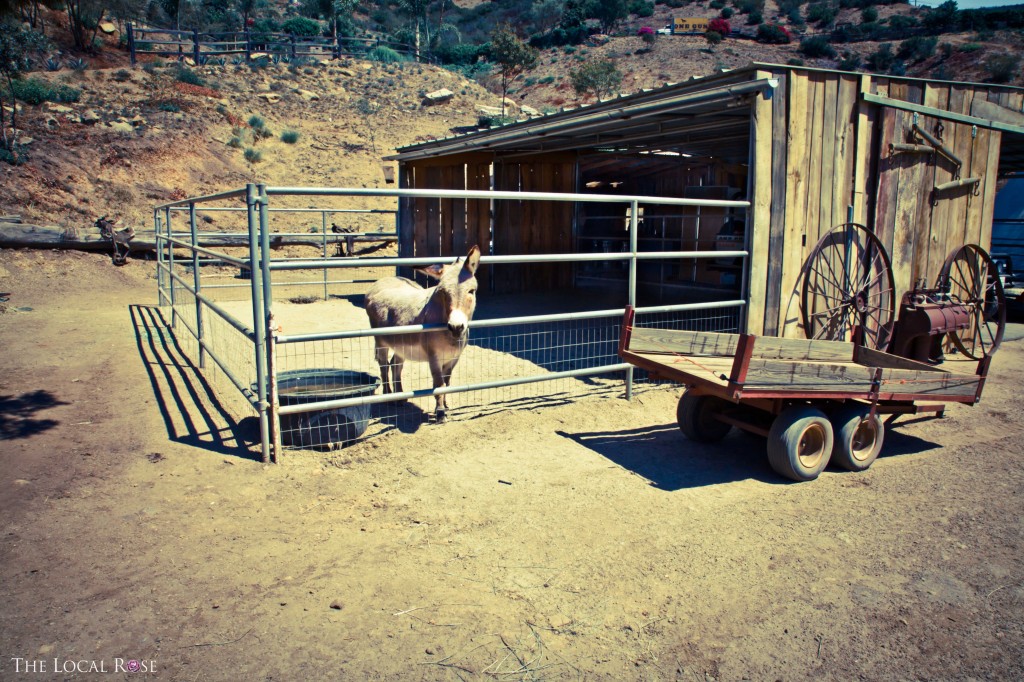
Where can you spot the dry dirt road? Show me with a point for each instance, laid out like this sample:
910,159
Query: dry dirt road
583,541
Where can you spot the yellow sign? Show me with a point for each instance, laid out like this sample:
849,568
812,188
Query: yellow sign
689,25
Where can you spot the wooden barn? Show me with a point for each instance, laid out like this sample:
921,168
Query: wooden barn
915,161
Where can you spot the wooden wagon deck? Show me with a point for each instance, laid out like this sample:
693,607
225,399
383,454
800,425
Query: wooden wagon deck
744,366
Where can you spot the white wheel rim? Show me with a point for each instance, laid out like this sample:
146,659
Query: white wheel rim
811,448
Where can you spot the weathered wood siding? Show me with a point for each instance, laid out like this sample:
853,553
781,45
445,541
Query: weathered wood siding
826,154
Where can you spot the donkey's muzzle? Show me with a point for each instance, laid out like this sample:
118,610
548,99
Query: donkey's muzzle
457,331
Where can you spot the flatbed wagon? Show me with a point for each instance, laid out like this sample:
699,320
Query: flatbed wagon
815,401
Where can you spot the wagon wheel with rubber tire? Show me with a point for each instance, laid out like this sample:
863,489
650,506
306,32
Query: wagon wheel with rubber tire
696,417
971,278
800,443
858,437
848,283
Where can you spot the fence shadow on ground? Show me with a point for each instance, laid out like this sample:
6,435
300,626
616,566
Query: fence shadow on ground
188,404
664,457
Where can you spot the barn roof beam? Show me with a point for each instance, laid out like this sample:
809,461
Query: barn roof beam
656,135
606,114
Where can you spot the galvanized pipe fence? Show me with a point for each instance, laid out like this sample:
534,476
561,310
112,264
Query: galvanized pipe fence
503,352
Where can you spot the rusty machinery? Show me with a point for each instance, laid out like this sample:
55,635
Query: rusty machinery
847,293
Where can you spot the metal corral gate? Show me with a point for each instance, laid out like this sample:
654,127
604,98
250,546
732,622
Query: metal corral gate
575,345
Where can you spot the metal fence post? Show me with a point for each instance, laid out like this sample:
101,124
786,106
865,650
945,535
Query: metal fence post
170,265
323,221
268,319
634,222
159,258
196,283
258,326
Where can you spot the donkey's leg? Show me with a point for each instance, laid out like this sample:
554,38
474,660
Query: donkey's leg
437,371
397,363
381,353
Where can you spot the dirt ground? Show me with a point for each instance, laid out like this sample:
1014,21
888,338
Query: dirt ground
582,541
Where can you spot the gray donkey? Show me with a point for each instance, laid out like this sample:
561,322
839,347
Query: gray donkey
397,301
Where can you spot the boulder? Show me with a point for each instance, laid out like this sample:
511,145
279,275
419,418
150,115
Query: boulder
57,108
307,95
488,111
108,27
89,116
271,97
438,97
529,111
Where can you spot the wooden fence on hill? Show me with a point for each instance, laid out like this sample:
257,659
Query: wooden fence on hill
200,46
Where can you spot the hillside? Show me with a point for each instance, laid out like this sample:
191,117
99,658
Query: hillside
140,136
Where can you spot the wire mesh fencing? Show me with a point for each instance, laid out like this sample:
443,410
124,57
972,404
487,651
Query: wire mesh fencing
288,336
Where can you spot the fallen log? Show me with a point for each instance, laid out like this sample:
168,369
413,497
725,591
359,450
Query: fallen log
25,236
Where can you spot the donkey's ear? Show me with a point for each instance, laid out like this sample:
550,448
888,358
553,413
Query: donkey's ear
433,271
472,260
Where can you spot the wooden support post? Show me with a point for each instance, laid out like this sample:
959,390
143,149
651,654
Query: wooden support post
627,329
195,46
131,42
248,45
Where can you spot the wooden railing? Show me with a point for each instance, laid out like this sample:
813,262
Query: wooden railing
201,46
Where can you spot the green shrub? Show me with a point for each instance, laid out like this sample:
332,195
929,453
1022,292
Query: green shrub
168,106
917,48
235,142
1002,67
773,34
256,121
868,15
882,59
253,155
850,62
384,55
301,26
821,13
641,8
968,48
122,75
793,61
290,136
817,47
37,91
187,75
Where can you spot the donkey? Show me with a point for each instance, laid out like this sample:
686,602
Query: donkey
397,301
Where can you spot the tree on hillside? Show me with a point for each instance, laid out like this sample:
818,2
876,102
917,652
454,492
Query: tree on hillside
942,19
81,15
512,56
598,78
16,45
609,13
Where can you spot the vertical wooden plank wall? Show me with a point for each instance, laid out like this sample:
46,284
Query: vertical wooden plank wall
478,216
919,226
759,220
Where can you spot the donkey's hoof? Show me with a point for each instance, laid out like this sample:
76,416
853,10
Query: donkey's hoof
440,416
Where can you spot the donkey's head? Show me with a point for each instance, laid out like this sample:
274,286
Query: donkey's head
456,290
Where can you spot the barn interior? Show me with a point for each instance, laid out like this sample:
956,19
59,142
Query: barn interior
690,140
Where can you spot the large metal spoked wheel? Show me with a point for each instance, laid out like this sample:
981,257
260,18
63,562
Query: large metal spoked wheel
847,284
858,437
800,443
973,280
697,419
